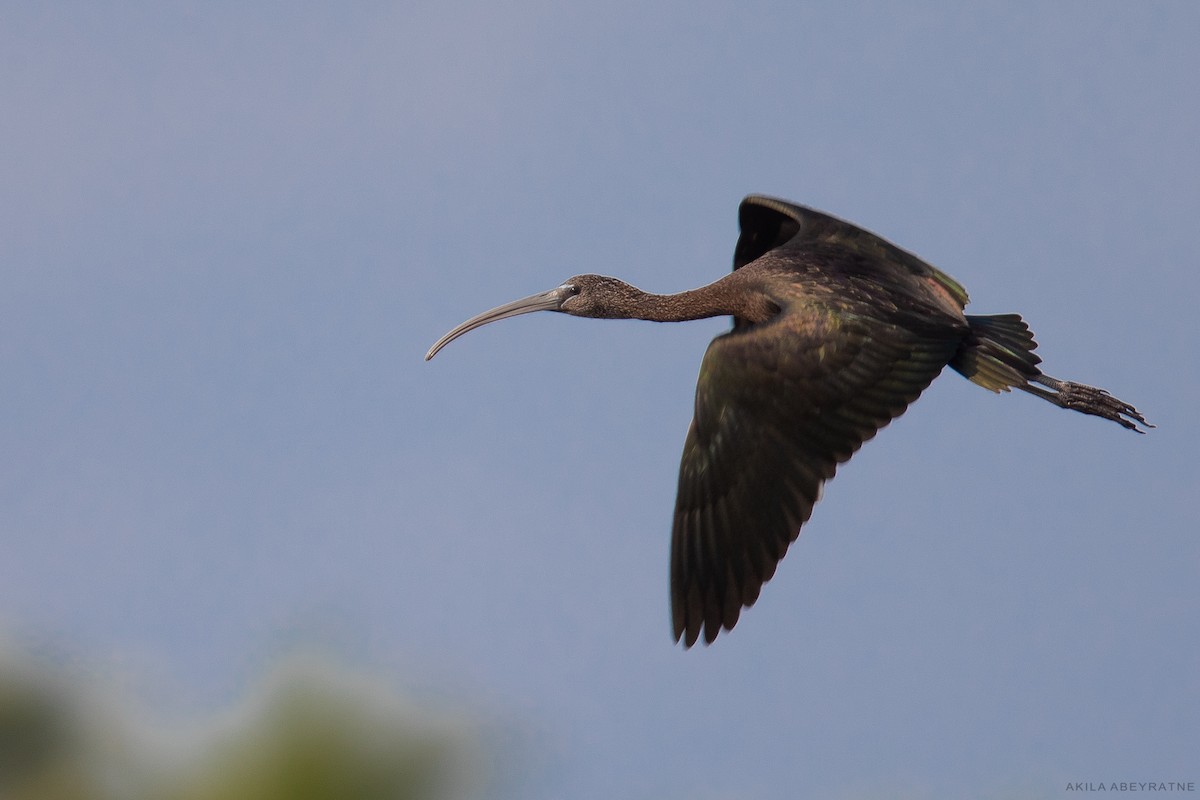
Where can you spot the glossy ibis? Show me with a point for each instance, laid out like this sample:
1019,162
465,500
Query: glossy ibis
835,332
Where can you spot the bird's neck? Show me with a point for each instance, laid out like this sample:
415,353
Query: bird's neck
725,297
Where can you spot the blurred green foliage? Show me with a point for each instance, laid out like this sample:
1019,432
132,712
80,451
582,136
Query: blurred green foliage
311,732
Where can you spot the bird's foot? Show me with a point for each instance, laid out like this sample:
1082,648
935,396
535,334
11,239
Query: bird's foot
1090,400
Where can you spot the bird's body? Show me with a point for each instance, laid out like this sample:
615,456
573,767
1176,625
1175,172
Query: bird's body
836,331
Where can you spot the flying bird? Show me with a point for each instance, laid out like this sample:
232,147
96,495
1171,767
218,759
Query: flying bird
835,332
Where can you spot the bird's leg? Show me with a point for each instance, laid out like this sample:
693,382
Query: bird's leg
1087,400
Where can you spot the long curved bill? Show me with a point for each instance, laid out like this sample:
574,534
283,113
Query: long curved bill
546,301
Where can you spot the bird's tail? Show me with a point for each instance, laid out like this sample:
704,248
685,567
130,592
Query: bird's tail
998,355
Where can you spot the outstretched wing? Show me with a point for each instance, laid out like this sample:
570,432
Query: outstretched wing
767,223
778,406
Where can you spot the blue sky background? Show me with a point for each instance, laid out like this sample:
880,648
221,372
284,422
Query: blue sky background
229,232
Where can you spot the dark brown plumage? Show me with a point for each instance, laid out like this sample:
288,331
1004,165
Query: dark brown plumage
835,332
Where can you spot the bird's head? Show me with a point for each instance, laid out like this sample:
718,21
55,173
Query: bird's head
581,296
